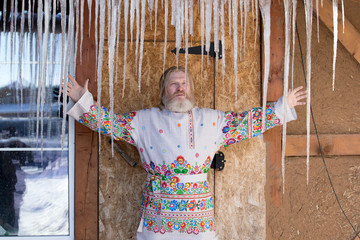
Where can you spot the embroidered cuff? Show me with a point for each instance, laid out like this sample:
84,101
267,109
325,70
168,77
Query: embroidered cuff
279,111
82,106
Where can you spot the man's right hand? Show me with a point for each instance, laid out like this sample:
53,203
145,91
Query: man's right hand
74,90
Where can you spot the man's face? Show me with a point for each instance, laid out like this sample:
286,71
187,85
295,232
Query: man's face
178,96
177,88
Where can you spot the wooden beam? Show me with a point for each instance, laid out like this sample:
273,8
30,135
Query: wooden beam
86,146
350,39
272,137
332,145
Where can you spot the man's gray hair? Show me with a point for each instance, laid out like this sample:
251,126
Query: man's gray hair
164,80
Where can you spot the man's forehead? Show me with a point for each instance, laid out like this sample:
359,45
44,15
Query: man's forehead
176,76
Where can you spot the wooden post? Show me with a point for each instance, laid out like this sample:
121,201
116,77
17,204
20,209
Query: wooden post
86,146
275,86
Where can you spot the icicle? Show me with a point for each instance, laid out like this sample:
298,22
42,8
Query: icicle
294,5
40,47
317,20
126,14
335,23
182,19
191,13
208,9
166,27
53,33
96,29
132,12
257,20
4,15
246,10
68,56
216,31
63,54
343,15
77,16
156,8
287,10
112,40
82,3
43,67
202,19
241,28
222,19
177,30
100,53
151,8
137,32
308,21
117,40
143,8
235,42
265,14
186,16
21,51
89,3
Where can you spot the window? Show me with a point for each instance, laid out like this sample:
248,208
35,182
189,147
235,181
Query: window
36,173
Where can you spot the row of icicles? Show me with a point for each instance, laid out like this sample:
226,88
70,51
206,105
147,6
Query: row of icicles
182,18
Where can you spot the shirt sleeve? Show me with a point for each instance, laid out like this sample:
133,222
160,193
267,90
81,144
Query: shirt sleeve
235,127
87,112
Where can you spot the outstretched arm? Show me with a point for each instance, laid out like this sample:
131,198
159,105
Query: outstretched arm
74,90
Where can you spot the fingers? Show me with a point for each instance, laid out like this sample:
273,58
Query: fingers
72,80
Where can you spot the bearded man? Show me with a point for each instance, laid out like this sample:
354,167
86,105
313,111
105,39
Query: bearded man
176,142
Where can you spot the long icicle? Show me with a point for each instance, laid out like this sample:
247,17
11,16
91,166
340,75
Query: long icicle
40,47
82,3
44,68
137,33
265,13
294,5
143,13
89,3
112,41
335,24
202,20
126,15
222,19
186,16
308,21
216,32
287,11
132,12
117,40
22,23
100,63
235,41
166,27
317,19
155,31
208,13
257,20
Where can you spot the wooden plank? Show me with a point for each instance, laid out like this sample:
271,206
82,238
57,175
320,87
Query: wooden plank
86,147
332,145
275,86
350,39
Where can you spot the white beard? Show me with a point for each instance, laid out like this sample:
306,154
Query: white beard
175,105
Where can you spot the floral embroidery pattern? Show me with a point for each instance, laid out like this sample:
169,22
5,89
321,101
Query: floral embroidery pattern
178,166
245,125
122,128
183,225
